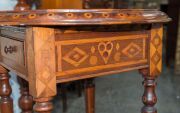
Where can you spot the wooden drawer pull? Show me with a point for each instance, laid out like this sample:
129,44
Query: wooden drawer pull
10,49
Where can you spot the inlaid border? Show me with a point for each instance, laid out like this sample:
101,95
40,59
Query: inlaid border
82,17
59,45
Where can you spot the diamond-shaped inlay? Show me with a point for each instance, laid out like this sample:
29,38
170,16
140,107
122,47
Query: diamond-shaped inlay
156,58
40,87
132,50
45,75
156,41
75,57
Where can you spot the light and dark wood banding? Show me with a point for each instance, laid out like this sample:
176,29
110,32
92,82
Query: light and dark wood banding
82,17
47,47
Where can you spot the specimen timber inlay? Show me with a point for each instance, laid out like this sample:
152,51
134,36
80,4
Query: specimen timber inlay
156,50
47,47
98,53
82,17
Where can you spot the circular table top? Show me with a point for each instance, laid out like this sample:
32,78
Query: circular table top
59,17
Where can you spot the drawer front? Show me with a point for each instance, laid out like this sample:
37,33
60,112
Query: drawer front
100,52
12,50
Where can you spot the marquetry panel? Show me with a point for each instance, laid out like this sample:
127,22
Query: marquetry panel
98,53
156,50
41,61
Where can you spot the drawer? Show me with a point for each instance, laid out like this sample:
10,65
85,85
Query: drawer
87,53
12,50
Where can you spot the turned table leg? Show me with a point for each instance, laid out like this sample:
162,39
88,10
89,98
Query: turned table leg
6,103
64,97
26,100
79,87
149,97
90,95
43,105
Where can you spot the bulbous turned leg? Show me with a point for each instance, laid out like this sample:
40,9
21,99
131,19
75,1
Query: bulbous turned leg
6,103
43,105
149,97
26,100
90,95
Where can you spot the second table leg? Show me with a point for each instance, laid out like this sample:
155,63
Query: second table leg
149,97
6,103
26,100
90,95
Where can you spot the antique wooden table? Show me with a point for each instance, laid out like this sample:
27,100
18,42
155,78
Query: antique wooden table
47,47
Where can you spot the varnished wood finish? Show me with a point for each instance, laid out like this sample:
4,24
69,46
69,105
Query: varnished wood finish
41,62
61,4
14,61
82,17
149,97
43,105
6,103
90,95
12,50
156,50
67,45
26,100
99,52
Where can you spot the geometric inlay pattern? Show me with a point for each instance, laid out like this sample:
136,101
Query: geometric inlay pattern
75,57
41,66
156,58
132,50
70,16
156,50
100,53
45,79
156,40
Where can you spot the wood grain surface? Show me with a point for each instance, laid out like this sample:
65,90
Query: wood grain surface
156,50
41,62
100,52
59,46
82,17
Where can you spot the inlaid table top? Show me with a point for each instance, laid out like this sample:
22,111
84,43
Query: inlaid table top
82,17
46,47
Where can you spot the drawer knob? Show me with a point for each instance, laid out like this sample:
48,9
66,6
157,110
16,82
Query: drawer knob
10,49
